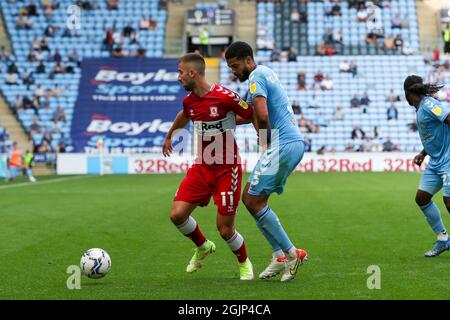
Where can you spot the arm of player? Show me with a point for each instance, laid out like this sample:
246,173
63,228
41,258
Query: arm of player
262,120
447,120
180,122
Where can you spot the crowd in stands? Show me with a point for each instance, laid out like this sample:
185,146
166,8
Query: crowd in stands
5,140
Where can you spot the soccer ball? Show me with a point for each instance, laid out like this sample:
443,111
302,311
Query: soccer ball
95,263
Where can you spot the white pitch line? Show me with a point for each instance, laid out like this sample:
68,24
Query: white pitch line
38,183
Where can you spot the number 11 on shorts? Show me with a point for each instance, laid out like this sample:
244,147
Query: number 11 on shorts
224,198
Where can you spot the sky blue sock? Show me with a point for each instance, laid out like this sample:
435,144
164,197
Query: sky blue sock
268,222
433,217
267,235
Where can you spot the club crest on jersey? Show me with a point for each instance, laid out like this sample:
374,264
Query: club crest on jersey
252,87
437,110
243,104
214,112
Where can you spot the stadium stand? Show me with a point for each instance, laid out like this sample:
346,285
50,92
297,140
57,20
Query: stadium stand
131,28
300,25
303,25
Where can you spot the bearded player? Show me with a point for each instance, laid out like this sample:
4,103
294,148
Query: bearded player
217,170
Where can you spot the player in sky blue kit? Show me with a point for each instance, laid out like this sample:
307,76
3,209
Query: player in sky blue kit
433,123
284,148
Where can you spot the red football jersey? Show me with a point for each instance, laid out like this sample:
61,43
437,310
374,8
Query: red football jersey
214,120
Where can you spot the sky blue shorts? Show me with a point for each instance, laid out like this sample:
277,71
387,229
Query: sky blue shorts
274,167
433,180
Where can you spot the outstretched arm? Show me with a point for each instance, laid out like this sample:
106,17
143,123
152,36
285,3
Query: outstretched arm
180,122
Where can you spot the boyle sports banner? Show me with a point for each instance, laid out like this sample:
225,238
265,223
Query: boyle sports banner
127,103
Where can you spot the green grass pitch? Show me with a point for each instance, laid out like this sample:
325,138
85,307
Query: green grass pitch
346,222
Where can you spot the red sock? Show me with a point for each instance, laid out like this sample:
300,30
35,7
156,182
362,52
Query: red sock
190,229
197,237
237,245
241,253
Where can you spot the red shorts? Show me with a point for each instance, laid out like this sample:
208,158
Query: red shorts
222,182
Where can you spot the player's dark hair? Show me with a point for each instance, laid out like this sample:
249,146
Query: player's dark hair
414,84
240,50
197,60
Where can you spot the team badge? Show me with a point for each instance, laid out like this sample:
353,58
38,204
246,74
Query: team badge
252,87
243,104
437,110
214,112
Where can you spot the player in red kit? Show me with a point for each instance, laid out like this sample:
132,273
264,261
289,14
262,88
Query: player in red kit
217,171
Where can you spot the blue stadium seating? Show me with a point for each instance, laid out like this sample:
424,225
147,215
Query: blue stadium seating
89,43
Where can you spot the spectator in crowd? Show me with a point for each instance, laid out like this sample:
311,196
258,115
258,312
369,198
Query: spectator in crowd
392,112
296,107
26,102
112,5
109,39
327,83
11,78
295,15
50,31
358,133
392,97
35,45
321,49
349,147
389,44
338,113
32,9
48,12
141,52
337,37
318,78
44,44
57,57
292,55
336,9
74,57
364,102
128,30
12,68
36,105
398,42
362,15
307,125
389,146
344,66
355,102
38,92
56,91
301,81
353,69
35,127
328,37
275,55
40,55
59,115
152,24
144,23
446,36
371,38
16,104
24,22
